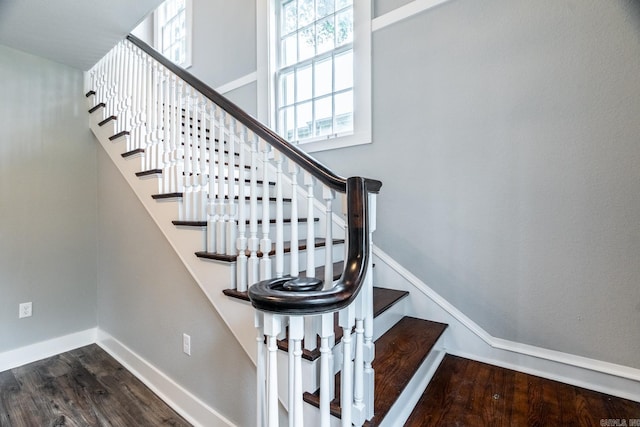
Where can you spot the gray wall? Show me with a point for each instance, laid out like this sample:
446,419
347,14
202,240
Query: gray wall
147,300
47,201
506,133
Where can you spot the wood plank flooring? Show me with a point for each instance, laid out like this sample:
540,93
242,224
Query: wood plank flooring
468,393
83,387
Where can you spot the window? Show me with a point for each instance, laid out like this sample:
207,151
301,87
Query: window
314,97
173,31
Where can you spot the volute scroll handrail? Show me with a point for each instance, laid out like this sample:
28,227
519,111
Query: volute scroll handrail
308,163
289,295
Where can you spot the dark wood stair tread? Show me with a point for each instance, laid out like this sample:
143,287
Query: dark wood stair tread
133,152
302,245
119,135
150,172
338,267
107,120
97,107
399,353
204,223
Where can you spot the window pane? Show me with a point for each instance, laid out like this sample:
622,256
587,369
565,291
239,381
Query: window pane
304,84
289,51
304,120
344,71
323,77
344,23
344,112
289,17
287,89
306,13
286,123
323,8
306,43
325,33
324,116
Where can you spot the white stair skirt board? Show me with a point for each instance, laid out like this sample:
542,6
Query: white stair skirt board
466,338
194,410
43,349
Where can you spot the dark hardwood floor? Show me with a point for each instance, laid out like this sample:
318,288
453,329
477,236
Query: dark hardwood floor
83,387
468,393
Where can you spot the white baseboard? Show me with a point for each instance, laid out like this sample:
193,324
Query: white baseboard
41,350
191,408
467,339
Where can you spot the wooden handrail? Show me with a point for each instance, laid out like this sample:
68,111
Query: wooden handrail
308,163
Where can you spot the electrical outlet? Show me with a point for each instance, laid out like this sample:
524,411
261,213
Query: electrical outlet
186,344
25,310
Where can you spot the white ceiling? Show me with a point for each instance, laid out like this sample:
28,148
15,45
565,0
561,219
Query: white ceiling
73,32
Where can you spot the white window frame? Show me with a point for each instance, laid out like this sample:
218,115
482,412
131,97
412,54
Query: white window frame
267,33
158,19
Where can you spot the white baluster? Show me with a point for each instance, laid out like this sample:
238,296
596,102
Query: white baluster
253,264
265,242
327,384
241,262
358,380
213,194
311,262
272,328
328,196
204,178
166,138
261,398
231,201
346,321
280,217
178,152
148,114
221,243
188,141
294,259
196,140
296,333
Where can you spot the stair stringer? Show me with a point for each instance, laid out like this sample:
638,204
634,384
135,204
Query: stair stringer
466,338
211,276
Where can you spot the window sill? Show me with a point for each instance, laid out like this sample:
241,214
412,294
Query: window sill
335,143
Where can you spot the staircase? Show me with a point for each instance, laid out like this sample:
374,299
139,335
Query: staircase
254,221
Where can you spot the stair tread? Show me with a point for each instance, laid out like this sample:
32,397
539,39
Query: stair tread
97,107
107,120
338,267
204,223
133,152
302,245
119,135
399,353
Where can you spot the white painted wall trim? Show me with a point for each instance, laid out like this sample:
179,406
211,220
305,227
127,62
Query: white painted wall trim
194,410
238,83
41,350
403,12
468,339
